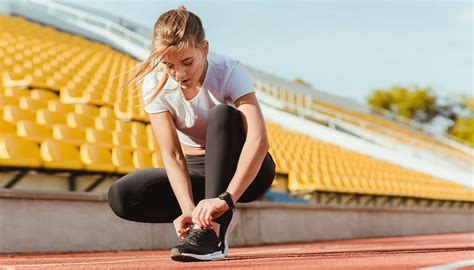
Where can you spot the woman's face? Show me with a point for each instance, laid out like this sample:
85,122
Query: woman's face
186,66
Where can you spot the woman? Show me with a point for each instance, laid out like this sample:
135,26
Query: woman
211,133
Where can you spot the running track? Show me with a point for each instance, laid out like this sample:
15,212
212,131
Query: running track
427,252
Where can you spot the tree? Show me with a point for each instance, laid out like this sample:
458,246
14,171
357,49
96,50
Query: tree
418,104
422,105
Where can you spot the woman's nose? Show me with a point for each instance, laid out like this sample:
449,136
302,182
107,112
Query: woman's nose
180,74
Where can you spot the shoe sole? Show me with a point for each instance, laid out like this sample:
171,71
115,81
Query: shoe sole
189,257
233,223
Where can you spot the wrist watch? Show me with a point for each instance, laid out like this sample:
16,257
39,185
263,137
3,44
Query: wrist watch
227,198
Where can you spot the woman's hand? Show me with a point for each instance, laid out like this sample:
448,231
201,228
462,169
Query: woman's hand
208,210
183,223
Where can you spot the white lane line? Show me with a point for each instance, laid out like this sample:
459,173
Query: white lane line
450,266
12,267
264,251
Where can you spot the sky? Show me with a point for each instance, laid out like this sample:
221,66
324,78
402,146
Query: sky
346,48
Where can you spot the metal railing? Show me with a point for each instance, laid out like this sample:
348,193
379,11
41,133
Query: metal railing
335,119
68,13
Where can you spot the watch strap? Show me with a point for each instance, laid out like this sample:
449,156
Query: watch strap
227,198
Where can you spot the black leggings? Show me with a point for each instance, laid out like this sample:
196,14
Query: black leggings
146,195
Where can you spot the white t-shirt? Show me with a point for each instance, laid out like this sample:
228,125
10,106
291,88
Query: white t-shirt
226,80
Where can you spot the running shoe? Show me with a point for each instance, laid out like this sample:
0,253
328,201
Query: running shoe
203,244
199,245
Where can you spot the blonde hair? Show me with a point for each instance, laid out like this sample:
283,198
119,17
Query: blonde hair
177,28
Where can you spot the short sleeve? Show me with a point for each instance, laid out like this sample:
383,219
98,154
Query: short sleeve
148,85
238,83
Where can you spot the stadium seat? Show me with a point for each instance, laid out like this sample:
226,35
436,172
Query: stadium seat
140,141
107,112
123,160
49,118
142,159
139,128
99,137
60,155
67,134
121,139
43,95
97,158
17,152
57,106
28,103
80,121
30,130
8,100
13,113
7,127
16,92
123,126
87,109
105,123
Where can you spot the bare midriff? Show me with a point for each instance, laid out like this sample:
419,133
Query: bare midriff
193,151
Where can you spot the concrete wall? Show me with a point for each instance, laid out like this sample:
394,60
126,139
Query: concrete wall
34,221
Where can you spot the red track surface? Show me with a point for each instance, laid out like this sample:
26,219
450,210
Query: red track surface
410,252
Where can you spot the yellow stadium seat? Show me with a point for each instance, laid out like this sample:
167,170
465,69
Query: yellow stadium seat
121,139
58,106
7,100
140,141
17,152
123,126
14,114
67,134
31,130
44,95
28,103
107,112
87,109
60,155
7,127
16,92
99,137
97,158
80,121
103,123
142,159
138,128
48,118
123,160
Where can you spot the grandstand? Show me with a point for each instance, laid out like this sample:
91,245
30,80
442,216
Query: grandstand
66,128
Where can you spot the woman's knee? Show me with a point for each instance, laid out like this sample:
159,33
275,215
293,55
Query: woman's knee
121,191
220,116
115,199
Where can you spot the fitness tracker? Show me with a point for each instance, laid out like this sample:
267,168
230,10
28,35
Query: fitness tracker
227,198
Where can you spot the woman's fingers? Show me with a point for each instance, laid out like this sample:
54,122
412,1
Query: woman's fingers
196,213
208,218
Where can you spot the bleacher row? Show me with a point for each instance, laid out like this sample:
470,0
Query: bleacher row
313,165
61,110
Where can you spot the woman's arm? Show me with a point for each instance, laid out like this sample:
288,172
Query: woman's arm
173,159
255,147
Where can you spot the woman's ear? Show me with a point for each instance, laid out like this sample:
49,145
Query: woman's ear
206,46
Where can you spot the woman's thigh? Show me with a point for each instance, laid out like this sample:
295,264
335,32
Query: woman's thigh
146,195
